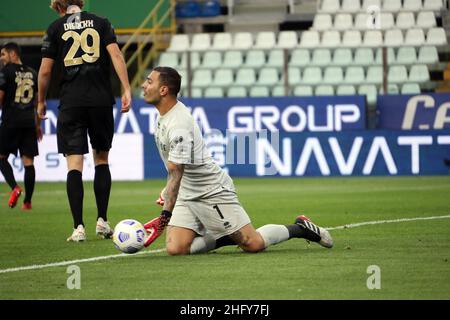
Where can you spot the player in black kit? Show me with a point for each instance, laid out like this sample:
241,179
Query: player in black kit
84,45
20,128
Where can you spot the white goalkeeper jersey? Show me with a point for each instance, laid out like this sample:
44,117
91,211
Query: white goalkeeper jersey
179,140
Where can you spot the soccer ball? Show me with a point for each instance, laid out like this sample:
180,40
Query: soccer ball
129,236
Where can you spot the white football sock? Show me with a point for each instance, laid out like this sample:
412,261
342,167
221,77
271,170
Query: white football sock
203,244
273,234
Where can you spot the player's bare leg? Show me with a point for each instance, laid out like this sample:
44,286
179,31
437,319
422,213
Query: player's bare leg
29,181
102,190
179,240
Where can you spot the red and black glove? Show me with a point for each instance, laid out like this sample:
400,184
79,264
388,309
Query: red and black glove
156,227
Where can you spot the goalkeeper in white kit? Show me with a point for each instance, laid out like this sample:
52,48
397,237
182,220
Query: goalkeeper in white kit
201,209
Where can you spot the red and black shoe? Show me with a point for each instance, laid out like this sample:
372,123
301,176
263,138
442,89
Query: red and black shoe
15,194
27,206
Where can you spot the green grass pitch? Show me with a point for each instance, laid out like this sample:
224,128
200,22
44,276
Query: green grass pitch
412,256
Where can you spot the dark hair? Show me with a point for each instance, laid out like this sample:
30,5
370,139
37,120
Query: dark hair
171,78
12,46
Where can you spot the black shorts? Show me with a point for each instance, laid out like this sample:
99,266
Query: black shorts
23,140
75,124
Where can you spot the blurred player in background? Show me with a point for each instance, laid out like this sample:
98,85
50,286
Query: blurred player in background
200,204
20,128
84,45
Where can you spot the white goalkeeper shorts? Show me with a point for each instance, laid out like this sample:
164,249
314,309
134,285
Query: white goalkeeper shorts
213,216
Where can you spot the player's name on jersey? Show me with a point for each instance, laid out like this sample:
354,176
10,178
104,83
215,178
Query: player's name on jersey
24,75
78,25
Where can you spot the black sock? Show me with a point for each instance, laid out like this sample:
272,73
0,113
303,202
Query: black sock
8,173
296,231
75,193
29,181
224,241
102,189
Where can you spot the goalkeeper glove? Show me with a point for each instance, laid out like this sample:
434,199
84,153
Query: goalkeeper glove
156,226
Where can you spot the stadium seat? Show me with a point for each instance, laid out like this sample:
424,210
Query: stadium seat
233,59
294,76
343,21
196,92
184,78
428,55
414,37
245,77
426,20
222,41
333,75
324,90
391,5
374,75
309,39
169,59
397,74
268,77
242,41
321,57
223,78
300,58
265,40
237,92
412,5
386,20
330,6
436,37
434,5
342,57
211,60
287,40
354,75
259,91
345,90
370,91
393,38
391,59
405,20
406,55
312,75
179,42
213,92
275,58
201,42
202,78
210,8
362,21
366,4
279,91
351,38
419,73
363,57
303,91
373,38
392,88
331,39
195,60
255,59
322,21
410,88
350,6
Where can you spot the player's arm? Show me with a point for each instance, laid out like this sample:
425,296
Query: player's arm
2,98
37,120
44,76
121,70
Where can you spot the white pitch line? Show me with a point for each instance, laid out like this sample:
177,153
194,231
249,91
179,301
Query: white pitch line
122,255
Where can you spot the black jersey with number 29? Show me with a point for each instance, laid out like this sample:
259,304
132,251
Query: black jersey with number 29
78,43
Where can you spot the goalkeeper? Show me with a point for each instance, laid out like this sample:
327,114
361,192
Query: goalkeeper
200,207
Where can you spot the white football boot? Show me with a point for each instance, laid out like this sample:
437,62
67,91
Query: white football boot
315,233
103,229
79,234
